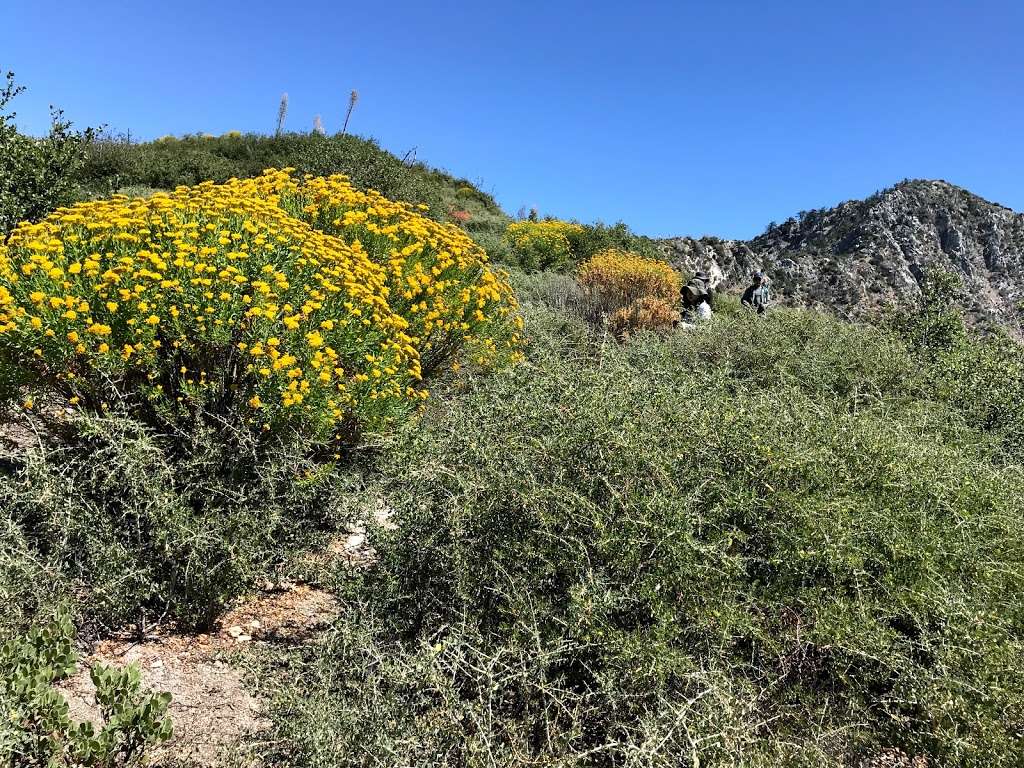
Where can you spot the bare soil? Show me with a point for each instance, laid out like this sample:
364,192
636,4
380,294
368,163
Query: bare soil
212,710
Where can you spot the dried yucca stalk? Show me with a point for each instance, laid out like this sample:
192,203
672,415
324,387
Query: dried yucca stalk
352,99
282,112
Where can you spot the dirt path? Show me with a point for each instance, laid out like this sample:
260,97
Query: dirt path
212,710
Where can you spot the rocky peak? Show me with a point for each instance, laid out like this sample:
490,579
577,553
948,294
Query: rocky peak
864,253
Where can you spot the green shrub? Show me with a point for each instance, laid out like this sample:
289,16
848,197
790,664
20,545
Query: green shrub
541,245
560,246
36,175
978,372
597,237
36,728
761,542
132,527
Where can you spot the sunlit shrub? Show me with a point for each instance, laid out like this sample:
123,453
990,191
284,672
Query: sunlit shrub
631,290
438,280
542,244
646,552
647,313
36,728
296,302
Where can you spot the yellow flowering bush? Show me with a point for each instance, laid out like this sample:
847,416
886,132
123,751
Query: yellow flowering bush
632,290
292,301
426,264
542,244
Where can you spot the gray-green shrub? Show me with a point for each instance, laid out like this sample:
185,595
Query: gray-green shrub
763,542
132,527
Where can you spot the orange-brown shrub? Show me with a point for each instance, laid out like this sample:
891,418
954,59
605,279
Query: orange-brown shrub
630,290
648,313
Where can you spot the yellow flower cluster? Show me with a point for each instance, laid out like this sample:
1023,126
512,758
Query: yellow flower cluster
295,300
630,290
437,274
624,277
542,244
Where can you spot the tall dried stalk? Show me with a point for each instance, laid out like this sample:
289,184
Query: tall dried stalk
282,112
352,99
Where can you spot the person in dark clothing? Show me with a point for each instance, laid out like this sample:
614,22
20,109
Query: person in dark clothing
758,296
694,294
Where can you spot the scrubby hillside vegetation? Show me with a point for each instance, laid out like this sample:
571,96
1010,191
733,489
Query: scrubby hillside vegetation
114,164
789,542
595,538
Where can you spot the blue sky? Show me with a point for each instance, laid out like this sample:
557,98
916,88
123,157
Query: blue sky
676,117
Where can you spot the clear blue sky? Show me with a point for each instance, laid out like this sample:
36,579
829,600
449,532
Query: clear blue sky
709,117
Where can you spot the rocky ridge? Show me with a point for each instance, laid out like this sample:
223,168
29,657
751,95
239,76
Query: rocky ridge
866,253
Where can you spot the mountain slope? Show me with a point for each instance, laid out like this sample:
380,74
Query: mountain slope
864,253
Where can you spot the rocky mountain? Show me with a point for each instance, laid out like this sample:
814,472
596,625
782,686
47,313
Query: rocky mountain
862,254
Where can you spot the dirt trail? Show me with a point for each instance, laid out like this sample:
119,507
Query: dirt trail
212,710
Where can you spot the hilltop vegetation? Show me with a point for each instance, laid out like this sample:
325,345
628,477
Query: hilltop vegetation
114,164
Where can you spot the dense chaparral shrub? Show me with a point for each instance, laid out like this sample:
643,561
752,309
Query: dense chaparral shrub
632,291
113,163
299,300
542,245
762,541
980,371
437,277
131,527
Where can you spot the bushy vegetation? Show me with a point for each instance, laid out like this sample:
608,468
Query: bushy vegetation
542,244
36,174
128,528
764,541
273,301
559,246
629,291
188,368
113,164
36,729
980,372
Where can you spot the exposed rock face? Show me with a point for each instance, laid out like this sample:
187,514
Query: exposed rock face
864,253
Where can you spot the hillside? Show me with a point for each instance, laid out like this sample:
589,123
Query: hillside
856,256
874,251
115,164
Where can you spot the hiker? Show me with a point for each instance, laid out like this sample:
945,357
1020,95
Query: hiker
697,298
758,296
